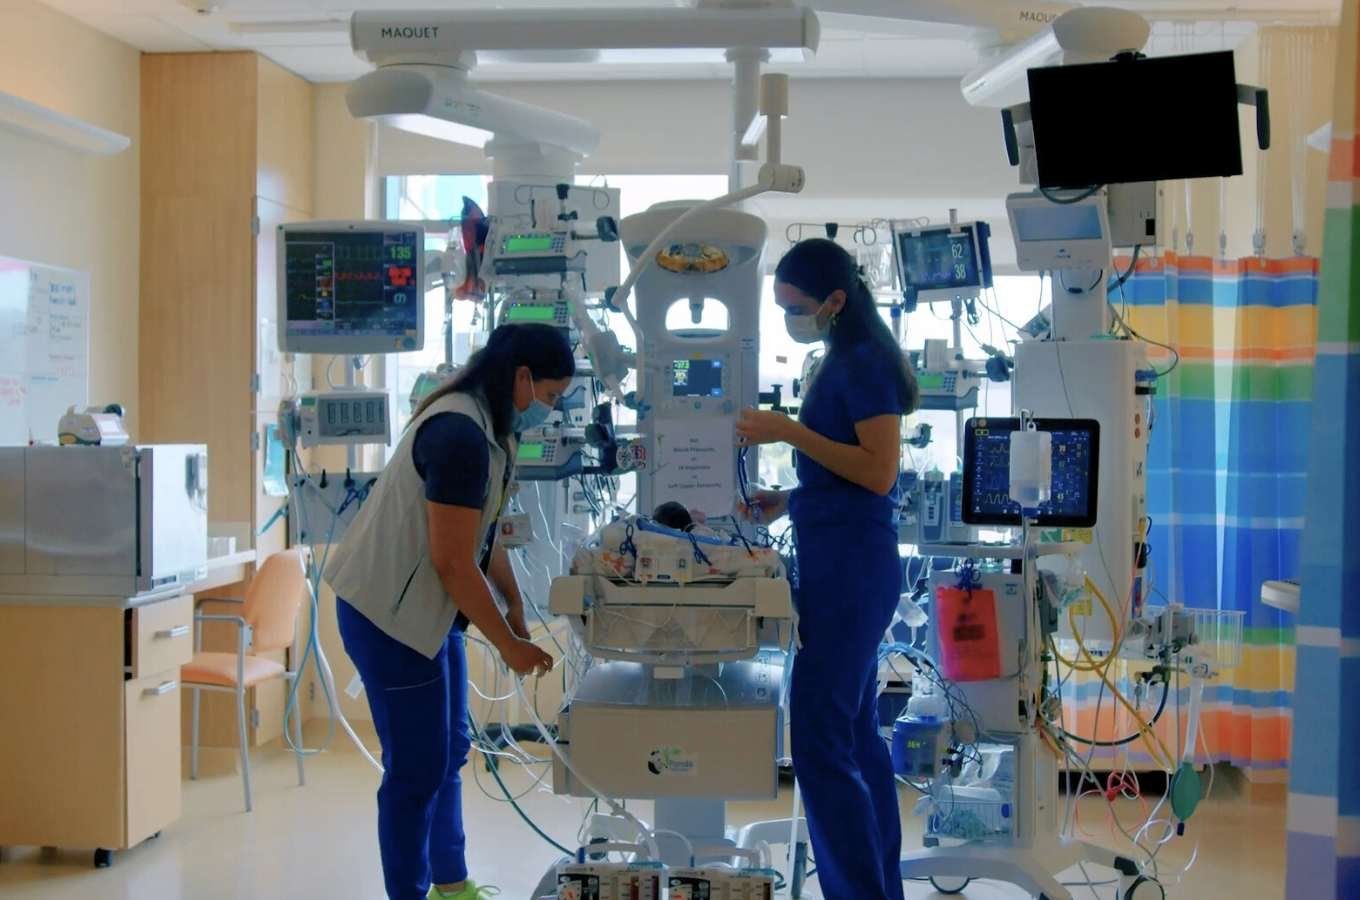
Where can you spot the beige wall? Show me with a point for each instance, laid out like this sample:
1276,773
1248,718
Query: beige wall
70,209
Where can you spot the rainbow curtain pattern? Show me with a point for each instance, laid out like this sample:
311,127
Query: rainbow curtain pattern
1226,485
1323,845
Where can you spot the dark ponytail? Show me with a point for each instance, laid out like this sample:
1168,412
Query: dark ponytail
491,370
818,267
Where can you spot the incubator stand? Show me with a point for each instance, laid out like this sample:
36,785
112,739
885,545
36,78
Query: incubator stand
686,711
682,703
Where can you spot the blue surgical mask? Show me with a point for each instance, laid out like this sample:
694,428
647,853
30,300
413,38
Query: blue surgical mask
531,418
804,327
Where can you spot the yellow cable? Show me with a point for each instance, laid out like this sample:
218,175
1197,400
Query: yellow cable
1101,668
1144,728
1077,665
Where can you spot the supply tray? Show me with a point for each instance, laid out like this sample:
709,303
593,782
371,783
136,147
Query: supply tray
974,821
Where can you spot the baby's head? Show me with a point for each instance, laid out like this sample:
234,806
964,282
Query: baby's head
673,515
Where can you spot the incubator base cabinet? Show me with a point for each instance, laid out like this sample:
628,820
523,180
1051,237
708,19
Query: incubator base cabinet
696,736
90,756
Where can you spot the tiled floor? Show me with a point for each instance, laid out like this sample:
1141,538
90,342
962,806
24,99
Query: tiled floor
319,842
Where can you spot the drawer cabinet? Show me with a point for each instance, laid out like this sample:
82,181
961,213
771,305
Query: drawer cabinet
151,751
95,763
161,636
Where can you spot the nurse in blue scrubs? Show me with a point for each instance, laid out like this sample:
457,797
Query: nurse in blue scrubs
847,440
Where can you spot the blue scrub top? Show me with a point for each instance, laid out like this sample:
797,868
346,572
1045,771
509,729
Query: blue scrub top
852,384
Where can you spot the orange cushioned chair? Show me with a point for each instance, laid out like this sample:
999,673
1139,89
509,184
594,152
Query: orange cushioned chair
268,622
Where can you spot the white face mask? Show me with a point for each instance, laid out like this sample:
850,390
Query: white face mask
804,327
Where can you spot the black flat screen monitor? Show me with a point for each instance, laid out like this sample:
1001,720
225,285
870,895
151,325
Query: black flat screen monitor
987,466
1125,121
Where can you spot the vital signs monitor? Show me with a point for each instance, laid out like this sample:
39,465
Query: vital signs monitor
987,473
351,287
943,263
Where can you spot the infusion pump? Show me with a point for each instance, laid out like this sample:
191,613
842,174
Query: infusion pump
336,417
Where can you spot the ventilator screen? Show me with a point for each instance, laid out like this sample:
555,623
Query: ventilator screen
986,473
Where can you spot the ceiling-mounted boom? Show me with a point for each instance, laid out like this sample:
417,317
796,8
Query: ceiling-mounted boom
424,57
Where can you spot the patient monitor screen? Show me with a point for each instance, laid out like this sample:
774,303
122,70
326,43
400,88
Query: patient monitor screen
696,378
352,286
936,259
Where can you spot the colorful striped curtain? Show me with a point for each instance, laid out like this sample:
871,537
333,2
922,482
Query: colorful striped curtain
1324,780
1225,483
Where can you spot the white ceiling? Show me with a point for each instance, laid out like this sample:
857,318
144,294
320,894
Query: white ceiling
314,40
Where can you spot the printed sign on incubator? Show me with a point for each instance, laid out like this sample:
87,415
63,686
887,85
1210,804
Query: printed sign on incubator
694,464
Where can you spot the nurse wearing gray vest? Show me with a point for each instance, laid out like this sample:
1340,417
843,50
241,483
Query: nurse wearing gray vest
417,566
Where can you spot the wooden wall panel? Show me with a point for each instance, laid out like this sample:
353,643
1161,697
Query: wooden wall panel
284,138
197,264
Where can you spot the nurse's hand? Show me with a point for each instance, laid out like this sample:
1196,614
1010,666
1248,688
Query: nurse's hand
765,506
761,426
525,658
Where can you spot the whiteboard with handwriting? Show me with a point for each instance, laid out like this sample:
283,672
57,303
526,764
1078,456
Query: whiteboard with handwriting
44,348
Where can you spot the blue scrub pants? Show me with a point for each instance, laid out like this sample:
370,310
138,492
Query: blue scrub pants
419,709
849,583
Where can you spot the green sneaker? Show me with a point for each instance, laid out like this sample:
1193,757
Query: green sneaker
469,891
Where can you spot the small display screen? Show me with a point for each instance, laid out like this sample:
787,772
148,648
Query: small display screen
987,464
528,243
1204,121
696,378
939,259
531,452
930,381
352,284
346,416
1057,222
531,314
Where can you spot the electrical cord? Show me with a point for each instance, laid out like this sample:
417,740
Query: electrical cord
1095,283
1128,273
1175,354
1069,201
1161,708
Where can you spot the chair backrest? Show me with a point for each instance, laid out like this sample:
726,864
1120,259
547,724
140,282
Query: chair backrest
273,598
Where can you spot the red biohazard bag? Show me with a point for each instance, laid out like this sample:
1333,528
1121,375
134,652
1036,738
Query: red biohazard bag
970,644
